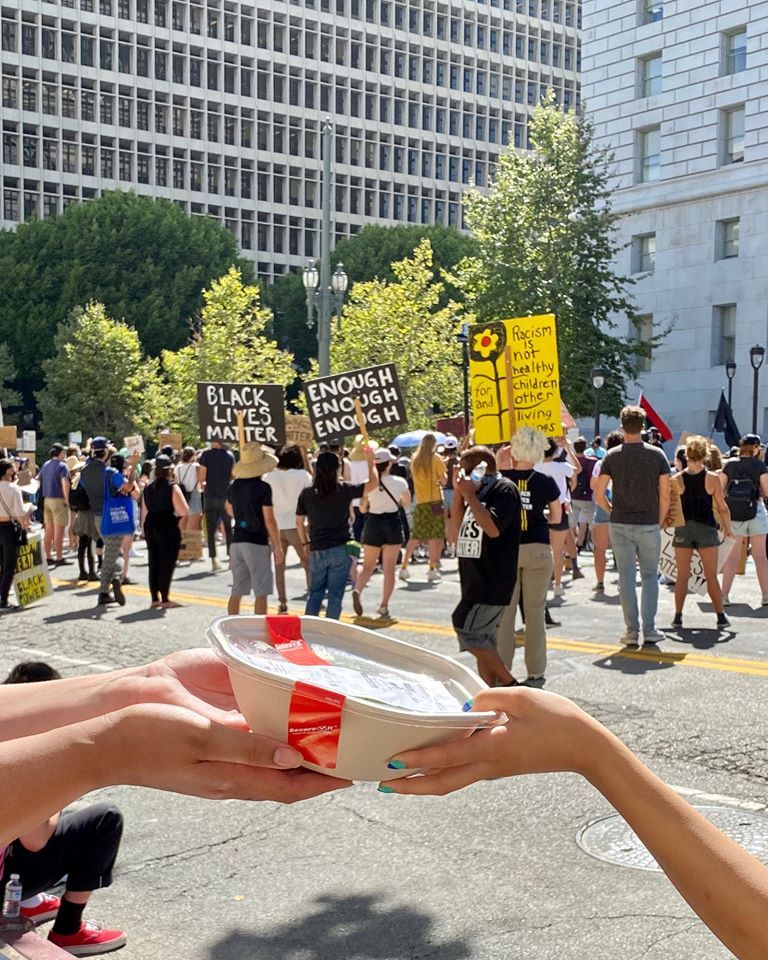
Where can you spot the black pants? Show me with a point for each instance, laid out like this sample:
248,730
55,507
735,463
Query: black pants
215,509
163,541
85,553
9,551
83,847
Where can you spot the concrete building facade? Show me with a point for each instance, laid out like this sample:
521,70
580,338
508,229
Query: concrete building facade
679,90
218,105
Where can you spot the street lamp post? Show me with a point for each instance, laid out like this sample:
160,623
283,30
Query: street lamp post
756,357
598,381
463,339
325,300
730,372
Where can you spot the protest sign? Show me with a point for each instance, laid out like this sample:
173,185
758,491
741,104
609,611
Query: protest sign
191,547
136,444
75,437
31,580
28,441
331,401
8,437
453,425
168,438
262,406
514,377
298,430
697,582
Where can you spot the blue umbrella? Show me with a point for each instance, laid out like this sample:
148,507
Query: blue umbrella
414,437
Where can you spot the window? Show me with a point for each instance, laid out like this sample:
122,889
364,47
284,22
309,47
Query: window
644,253
735,52
733,135
649,167
643,334
727,239
650,76
723,334
651,10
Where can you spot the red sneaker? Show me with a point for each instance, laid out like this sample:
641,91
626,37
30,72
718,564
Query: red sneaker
90,939
45,910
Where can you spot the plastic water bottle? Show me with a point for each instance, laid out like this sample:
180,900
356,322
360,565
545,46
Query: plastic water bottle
478,474
12,900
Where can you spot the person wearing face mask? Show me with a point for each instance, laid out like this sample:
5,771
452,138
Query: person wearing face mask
485,526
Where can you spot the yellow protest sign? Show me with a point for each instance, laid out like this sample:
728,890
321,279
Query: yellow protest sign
514,377
31,580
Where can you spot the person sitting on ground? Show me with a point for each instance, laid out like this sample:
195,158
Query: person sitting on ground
81,845
545,733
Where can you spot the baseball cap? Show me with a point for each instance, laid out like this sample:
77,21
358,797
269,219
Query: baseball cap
750,440
162,461
382,455
99,443
451,444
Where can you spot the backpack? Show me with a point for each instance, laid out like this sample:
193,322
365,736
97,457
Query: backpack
741,498
78,498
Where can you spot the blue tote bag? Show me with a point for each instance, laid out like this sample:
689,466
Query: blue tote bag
117,518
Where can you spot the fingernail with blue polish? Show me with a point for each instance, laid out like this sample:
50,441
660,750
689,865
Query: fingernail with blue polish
467,706
396,765
382,789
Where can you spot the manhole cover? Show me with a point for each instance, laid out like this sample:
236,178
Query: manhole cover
613,840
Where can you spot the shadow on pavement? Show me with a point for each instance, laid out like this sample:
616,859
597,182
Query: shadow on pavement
155,614
352,928
699,639
611,601
638,662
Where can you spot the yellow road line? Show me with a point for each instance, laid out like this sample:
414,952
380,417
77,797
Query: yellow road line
702,661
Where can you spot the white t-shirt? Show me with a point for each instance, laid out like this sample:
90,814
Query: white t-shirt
358,473
11,501
186,474
379,502
561,472
286,487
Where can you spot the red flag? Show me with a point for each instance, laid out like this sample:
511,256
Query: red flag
655,419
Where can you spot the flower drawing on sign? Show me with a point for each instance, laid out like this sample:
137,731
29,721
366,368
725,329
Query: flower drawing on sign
485,343
488,341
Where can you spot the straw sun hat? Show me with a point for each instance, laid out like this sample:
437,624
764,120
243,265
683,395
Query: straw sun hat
254,461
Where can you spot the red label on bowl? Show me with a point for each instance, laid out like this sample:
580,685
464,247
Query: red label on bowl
285,636
314,723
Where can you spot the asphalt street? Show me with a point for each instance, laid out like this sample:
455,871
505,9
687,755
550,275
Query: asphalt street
492,873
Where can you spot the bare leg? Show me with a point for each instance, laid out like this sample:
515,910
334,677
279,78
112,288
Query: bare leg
761,562
600,544
388,560
709,563
435,548
683,556
364,574
259,606
58,541
233,606
557,540
731,564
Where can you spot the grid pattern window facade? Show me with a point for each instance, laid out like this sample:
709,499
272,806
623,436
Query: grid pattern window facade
219,107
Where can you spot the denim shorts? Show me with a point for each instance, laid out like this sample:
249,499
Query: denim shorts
601,516
695,536
755,527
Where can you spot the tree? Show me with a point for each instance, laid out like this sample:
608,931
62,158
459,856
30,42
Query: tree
546,235
9,398
368,255
228,345
144,259
97,380
402,321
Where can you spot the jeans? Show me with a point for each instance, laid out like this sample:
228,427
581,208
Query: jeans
328,571
642,543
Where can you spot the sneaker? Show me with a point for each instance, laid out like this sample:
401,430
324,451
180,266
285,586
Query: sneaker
434,576
117,589
558,591
90,939
105,598
765,600
652,637
722,620
577,574
630,639
215,565
44,911
599,587
677,620
356,603
726,600
404,574
383,613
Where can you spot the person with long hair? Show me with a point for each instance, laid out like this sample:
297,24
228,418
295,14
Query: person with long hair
382,532
600,530
700,492
428,473
161,508
287,480
322,522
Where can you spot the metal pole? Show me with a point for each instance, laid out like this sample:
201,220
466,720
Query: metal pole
597,412
465,351
730,391
756,374
324,293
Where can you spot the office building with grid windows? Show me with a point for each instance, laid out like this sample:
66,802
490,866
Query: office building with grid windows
677,90
218,106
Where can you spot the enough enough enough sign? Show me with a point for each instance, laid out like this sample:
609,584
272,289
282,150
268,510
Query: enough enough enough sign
261,404
331,401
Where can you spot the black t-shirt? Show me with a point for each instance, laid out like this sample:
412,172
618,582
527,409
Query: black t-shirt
218,463
328,516
537,491
247,498
488,565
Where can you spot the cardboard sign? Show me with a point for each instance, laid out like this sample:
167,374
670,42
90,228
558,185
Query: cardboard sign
168,438
331,401
514,378
28,441
455,426
191,545
697,582
298,430
136,444
261,404
75,437
8,437
31,580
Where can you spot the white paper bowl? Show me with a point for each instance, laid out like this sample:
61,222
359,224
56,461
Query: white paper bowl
371,732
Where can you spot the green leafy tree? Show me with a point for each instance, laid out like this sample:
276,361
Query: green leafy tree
546,235
402,321
97,380
144,259
10,399
228,345
368,255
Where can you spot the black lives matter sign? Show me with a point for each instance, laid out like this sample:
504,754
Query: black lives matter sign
262,406
331,401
